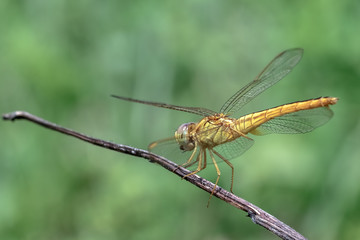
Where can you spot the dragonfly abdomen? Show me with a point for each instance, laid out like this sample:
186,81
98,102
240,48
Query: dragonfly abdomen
251,121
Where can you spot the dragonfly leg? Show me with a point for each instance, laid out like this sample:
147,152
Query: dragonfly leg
199,160
241,134
218,174
189,162
230,165
186,165
204,165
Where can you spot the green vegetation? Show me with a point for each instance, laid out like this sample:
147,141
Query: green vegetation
61,60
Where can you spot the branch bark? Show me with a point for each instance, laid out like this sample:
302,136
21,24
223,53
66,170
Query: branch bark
257,215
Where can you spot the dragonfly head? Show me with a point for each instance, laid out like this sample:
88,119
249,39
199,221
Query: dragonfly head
184,138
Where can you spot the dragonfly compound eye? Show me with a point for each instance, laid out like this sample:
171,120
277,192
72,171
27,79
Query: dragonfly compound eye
183,136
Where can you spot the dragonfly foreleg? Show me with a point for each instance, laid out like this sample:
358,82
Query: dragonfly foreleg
186,165
188,162
199,160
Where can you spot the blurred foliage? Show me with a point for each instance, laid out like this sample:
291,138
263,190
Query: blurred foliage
62,59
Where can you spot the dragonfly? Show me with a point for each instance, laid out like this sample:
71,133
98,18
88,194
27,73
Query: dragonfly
218,134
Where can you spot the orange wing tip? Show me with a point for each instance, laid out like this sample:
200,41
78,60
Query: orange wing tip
152,145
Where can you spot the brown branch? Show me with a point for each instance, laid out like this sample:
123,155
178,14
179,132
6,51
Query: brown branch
256,214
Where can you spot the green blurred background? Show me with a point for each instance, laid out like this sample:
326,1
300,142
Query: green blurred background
61,60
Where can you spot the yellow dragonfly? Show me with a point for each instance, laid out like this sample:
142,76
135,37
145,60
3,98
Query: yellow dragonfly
218,134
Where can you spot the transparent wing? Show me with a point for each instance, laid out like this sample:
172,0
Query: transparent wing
234,148
228,150
277,69
169,148
297,122
196,110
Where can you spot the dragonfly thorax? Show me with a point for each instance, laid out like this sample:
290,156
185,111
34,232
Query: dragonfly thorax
182,136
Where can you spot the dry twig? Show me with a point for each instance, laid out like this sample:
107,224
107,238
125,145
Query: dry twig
256,214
